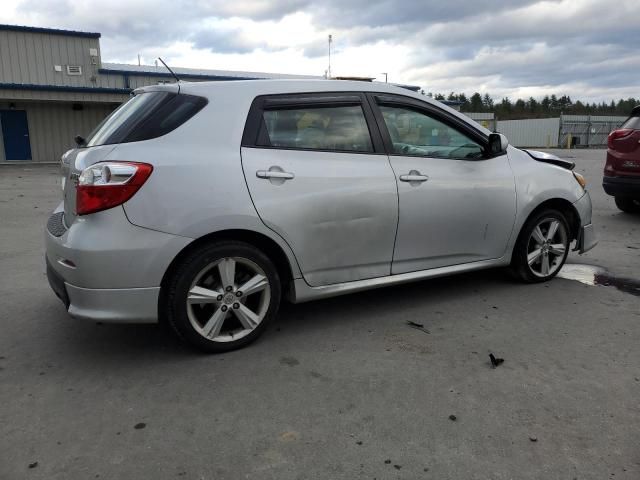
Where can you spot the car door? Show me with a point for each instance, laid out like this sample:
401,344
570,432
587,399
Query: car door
457,204
323,182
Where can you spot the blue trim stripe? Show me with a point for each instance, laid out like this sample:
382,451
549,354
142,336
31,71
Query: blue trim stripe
62,88
200,76
51,31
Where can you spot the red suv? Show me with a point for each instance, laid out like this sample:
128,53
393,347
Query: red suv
622,170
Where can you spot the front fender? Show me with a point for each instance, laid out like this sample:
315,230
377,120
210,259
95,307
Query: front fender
536,183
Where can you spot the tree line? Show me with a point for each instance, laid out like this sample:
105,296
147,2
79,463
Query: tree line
547,107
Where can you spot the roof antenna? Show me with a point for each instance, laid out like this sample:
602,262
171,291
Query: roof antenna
172,72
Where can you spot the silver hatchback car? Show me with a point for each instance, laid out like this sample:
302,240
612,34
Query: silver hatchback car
204,204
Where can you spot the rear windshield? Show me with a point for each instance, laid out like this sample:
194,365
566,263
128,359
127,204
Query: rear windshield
632,122
145,116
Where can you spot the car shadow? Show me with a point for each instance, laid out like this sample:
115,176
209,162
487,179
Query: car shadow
408,297
143,344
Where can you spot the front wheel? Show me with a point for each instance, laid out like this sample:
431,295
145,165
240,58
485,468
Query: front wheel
628,205
542,247
222,296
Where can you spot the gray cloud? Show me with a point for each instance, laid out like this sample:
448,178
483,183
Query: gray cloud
453,45
223,41
417,13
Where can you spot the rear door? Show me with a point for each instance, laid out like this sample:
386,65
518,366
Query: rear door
322,181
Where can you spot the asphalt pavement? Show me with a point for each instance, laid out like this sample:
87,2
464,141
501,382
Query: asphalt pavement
336,389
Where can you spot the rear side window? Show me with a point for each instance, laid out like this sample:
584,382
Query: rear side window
632,122
337,128
145,116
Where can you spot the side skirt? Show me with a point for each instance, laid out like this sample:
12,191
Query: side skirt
302,292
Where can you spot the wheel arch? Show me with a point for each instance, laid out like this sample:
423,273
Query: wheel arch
562,205
276,253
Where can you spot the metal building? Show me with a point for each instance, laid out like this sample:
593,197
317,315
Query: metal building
532,132
486,119
567,131
587,130
54,86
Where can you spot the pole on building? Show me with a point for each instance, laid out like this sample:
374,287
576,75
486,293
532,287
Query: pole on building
138,59
385,76
329,69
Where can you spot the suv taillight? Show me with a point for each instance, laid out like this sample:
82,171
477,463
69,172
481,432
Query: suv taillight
617,134
109,184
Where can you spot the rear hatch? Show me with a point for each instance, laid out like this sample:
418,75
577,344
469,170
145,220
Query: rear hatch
150,113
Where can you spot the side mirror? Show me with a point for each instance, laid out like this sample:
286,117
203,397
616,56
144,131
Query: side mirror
498,144
80,141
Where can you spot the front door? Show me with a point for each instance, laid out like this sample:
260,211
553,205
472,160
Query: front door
324,184
456,205
15,132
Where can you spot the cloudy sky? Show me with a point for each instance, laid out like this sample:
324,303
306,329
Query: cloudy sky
589,49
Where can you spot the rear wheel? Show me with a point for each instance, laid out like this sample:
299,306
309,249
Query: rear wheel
542,247
222,296
628,205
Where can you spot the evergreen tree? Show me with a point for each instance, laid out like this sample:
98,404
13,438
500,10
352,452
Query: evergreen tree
475,103
548,106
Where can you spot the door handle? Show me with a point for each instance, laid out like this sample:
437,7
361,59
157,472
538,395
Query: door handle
274,174
414,176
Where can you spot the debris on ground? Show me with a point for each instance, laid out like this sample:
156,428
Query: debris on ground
290,361
453,418
139,426
418,326
533,438
33,465
387,461
495,361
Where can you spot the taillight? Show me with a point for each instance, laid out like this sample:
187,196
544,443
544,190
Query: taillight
617,134
109,184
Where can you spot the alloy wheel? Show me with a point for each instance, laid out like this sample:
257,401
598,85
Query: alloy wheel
228,299
547,247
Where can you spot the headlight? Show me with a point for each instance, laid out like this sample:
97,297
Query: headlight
580,179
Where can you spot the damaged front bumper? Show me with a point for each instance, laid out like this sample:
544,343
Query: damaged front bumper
586,239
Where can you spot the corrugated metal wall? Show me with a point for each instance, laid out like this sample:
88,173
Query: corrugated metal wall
53,125
588,130
30,58
536,132
486,119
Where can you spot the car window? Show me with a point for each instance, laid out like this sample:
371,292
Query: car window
415,133
319,128
146,116
632,122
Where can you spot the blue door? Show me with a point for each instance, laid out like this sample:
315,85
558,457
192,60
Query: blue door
15,132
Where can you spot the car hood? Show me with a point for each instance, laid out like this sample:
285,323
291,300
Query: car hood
549,158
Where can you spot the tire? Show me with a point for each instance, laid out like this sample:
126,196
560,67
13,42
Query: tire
628,205
204,302
530,246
